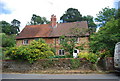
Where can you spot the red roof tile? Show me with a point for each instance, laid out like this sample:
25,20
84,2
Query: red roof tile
45,30
32,31
65,28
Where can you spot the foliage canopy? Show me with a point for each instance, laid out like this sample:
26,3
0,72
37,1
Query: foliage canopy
105,15
35,20
8,28
73,15
106,37
7,41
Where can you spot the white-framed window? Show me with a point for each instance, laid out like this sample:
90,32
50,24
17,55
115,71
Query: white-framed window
61,52
25,42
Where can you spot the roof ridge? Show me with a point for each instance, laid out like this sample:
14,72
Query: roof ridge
72,22
37,25
58,23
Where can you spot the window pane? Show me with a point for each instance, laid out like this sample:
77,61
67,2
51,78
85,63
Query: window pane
62,52
25,41
75,51
59,52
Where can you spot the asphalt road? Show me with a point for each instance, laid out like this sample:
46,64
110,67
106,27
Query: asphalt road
60,77
61,80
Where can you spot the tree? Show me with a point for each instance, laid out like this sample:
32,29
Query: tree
71,15
15,24
117,14
106,37
92,26
105,15
45,20
35,20
6,27
90,21
109,32
7,41
9,29
8,37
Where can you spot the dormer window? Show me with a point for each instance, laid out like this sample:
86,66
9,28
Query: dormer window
25,42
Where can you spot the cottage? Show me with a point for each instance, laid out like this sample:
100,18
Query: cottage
51,33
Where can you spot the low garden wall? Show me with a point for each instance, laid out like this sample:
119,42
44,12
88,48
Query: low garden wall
109,63
43,64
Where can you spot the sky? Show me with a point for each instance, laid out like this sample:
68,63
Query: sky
22,10
117,4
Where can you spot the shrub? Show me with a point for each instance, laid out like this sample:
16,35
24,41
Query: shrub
68,56
53,50
91,57
75,63
105,54
36,50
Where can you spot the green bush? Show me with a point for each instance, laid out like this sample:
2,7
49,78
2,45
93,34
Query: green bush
75,63
91,57
105,54
53,50
36,50
68,56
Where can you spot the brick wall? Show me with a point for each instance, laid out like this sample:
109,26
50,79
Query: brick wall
19,42
55,42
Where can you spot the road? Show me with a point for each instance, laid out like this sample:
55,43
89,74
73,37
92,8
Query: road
60,77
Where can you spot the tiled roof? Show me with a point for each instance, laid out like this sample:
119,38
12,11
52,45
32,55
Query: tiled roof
45,30
65,28
33,31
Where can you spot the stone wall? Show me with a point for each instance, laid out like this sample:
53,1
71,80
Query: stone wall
43,64
109,63
55,64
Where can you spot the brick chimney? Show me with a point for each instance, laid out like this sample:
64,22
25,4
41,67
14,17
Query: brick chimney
53,21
